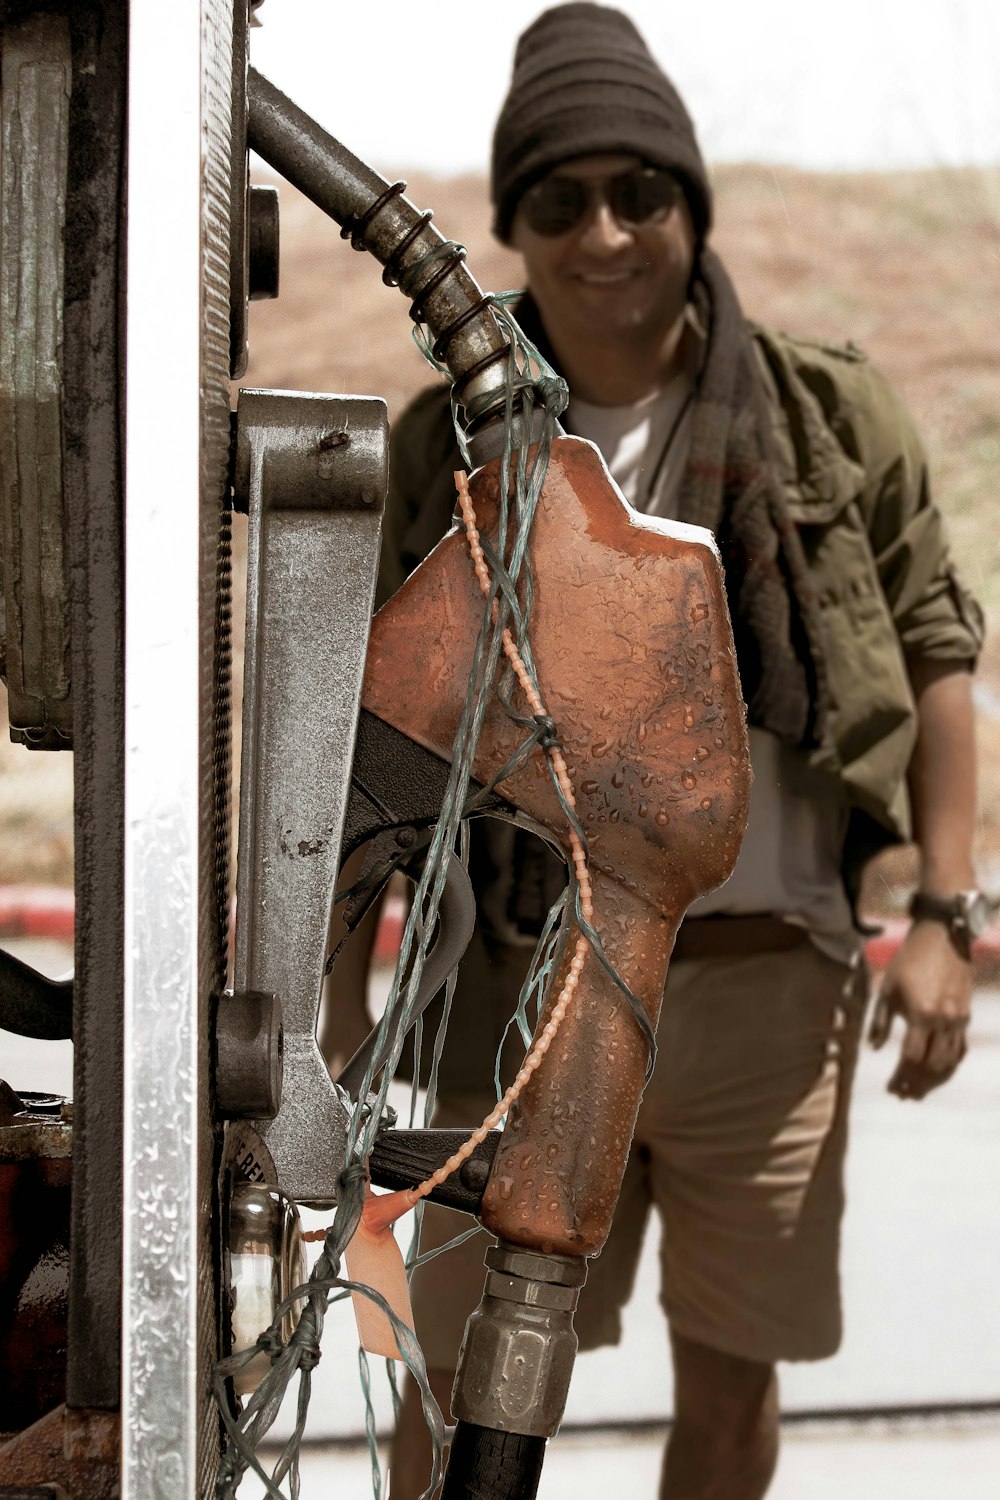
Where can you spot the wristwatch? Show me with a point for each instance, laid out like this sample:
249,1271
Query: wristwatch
966,915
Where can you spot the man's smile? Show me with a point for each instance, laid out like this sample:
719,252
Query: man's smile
608,278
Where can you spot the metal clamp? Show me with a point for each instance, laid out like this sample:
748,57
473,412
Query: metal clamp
519,1347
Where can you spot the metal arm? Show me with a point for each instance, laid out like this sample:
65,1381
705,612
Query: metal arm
467,335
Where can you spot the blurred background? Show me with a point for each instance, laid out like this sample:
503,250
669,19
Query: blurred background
855,155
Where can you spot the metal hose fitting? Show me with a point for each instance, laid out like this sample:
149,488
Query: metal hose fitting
519,1347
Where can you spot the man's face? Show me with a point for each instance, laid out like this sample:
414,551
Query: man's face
606,277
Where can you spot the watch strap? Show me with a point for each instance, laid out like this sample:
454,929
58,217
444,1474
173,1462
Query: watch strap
946,909
951,911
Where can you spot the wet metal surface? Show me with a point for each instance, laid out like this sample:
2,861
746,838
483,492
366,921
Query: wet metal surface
519,1345
632,643
177,433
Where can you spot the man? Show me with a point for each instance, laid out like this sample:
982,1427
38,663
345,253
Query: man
855,645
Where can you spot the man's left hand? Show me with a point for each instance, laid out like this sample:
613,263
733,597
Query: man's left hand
929,985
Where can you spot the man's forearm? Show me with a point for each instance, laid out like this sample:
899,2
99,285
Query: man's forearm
942,775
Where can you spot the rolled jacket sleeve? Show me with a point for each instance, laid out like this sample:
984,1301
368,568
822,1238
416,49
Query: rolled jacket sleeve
934,614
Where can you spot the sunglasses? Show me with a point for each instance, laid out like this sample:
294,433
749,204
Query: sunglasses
642,195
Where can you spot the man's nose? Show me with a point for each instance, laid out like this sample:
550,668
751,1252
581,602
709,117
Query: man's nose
602,234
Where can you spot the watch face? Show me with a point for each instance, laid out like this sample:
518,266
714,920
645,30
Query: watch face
978,913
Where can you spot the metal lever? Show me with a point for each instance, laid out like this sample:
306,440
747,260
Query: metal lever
312,471
31,1004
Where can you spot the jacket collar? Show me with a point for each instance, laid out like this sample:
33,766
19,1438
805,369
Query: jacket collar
817,476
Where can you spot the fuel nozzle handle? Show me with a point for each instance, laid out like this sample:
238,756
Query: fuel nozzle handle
633,649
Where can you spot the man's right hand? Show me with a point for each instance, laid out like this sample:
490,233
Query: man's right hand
929,985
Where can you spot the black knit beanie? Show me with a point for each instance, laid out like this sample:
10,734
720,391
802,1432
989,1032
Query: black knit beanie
585,82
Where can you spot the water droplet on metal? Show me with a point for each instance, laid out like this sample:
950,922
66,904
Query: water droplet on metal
663,817
688,781
706,803
702,752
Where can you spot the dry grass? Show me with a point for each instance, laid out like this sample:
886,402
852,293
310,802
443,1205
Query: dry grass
907,265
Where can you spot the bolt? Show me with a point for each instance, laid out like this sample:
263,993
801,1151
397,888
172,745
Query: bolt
474,1174
406,838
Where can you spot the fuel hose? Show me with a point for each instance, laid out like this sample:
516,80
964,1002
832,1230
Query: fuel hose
490,1465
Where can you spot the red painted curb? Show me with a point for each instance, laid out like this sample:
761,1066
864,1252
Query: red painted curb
47,912
36,912
389,932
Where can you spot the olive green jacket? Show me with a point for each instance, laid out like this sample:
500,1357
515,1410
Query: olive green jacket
855,481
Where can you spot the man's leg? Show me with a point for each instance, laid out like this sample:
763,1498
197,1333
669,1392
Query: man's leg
724,1443
410,1461
744,1122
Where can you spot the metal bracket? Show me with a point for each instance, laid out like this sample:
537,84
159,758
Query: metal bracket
312,471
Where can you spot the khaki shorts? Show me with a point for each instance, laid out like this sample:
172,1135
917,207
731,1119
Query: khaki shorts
739,1143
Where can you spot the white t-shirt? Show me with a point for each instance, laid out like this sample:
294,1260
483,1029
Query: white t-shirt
789,863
